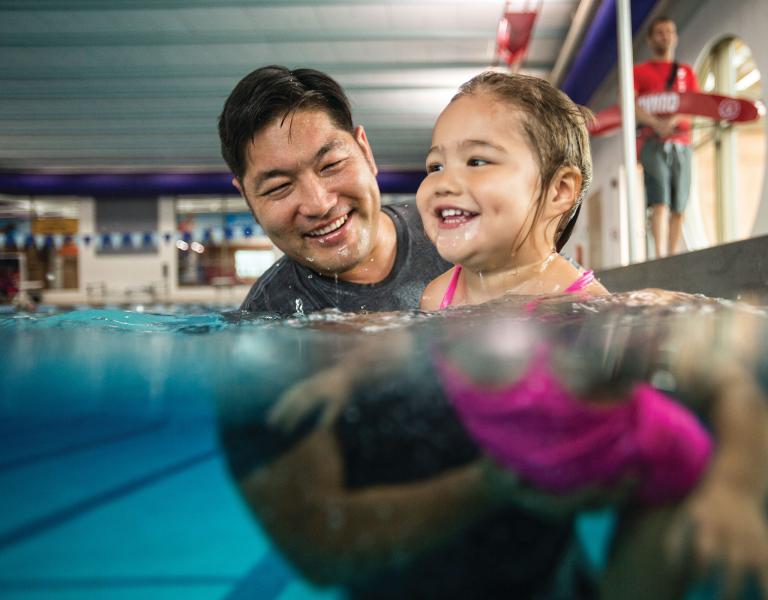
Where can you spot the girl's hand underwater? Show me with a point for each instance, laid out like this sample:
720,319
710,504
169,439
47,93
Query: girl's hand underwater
329,390
722,528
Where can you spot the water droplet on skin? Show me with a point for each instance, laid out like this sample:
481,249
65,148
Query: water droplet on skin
309,259
309,276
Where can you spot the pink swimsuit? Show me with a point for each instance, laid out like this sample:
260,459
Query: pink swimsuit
545,434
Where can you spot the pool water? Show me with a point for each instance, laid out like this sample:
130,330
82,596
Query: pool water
113,482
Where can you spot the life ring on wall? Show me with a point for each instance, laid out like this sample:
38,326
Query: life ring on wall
714,106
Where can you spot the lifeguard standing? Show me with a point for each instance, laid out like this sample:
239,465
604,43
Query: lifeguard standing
665,150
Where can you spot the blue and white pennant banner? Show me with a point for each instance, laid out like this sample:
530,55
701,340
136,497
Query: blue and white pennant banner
134,239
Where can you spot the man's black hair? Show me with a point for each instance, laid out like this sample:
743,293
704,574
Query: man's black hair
276,92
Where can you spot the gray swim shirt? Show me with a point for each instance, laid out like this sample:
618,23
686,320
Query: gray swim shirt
289,288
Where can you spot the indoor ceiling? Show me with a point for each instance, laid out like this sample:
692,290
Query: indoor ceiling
94,85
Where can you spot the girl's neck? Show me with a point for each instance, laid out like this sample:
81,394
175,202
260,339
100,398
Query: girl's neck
482,286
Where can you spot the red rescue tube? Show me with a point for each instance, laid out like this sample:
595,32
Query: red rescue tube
713,106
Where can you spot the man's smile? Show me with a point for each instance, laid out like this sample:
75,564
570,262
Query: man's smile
330,232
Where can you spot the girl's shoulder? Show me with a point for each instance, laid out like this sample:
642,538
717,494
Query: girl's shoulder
435,291
567,274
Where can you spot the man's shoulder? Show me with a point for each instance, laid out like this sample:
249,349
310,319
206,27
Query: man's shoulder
407,222
403,213
642,66
687,68
270,286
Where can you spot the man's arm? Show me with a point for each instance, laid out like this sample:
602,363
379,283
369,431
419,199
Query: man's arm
334,535
663,126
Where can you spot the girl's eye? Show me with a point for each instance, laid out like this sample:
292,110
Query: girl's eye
434,167
477,162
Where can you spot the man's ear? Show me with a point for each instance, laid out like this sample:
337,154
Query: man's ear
238,184
564,191
362,141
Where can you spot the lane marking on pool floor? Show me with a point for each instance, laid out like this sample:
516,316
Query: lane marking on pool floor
266,580
61,516
23,461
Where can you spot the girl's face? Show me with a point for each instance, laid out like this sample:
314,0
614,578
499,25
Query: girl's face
478,199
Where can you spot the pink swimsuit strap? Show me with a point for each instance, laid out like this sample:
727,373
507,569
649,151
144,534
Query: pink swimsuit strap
451,289
584,280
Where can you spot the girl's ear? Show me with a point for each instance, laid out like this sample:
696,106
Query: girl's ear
563,191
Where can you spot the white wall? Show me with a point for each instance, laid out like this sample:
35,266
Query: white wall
700,24
127,279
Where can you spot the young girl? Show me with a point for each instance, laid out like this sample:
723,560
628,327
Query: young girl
506,174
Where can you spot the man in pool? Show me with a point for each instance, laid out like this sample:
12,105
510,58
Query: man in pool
309,177
379,521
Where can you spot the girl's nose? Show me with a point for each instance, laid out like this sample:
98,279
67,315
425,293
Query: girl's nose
447,184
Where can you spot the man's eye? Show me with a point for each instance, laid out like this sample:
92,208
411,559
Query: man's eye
434,167
477,162
278,189
332,165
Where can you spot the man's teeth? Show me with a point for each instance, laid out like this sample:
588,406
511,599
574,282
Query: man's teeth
330,227
455,212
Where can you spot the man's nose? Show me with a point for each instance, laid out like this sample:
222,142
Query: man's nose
316,200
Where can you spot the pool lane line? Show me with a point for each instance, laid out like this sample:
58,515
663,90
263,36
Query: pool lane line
61,516
61,584
23,461
266,580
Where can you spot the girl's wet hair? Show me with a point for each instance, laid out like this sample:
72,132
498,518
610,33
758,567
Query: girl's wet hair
556,130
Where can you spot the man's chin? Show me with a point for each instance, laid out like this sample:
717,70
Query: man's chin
331,267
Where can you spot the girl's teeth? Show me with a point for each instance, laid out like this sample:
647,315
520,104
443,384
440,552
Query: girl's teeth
454,212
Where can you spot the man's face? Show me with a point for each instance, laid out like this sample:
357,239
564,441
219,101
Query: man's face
312,188
663,38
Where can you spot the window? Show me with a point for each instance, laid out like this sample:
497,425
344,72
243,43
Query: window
39,236
219,243
728,160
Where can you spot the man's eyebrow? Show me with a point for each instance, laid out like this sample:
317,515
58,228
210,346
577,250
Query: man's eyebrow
328,147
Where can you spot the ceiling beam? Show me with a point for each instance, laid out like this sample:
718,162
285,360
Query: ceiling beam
152,71
92,39
144,5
